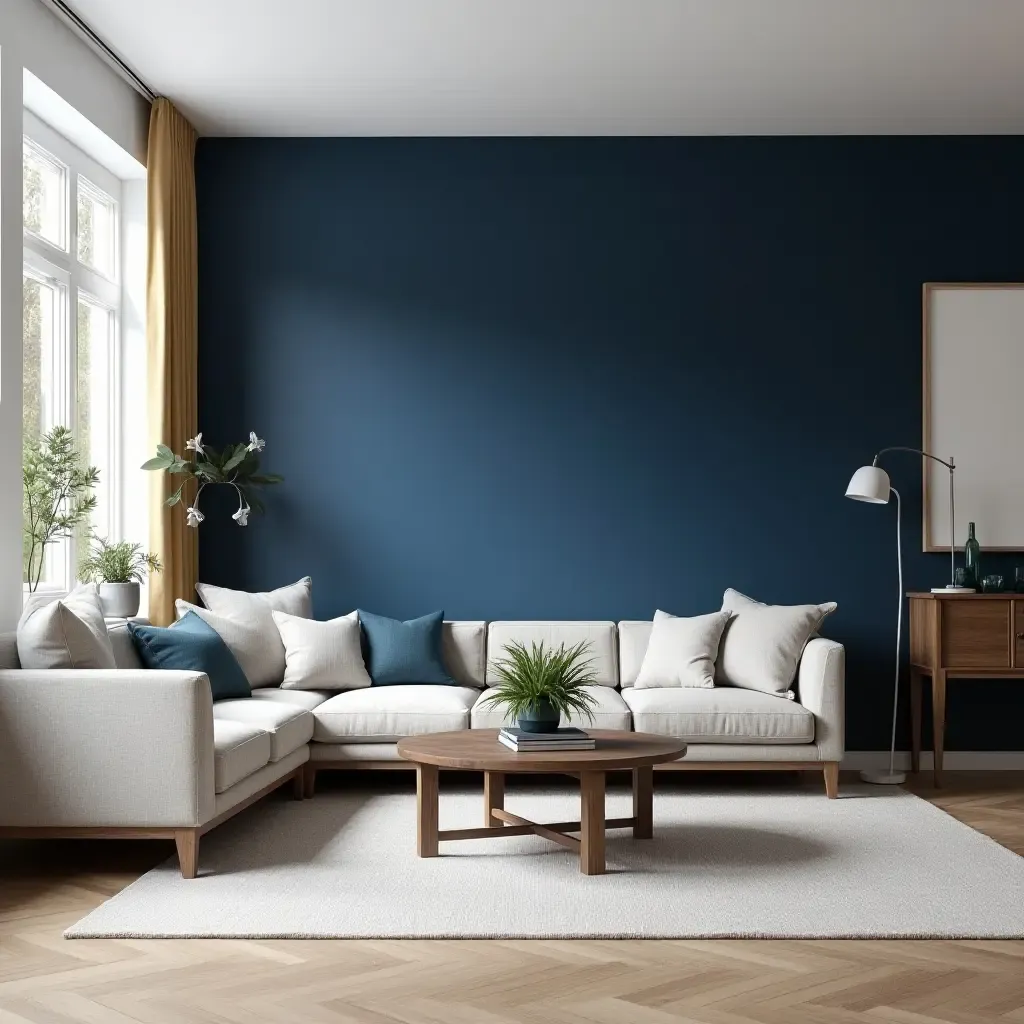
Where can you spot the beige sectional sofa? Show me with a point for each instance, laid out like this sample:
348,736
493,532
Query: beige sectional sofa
143,753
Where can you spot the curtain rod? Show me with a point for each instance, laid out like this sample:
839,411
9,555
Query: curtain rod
83,31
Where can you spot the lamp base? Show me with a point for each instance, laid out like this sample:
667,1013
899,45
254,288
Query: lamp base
950,589
883,777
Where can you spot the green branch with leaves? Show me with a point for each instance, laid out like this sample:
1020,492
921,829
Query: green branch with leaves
237,466
57,496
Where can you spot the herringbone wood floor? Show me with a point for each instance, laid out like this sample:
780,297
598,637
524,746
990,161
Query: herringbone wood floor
43,978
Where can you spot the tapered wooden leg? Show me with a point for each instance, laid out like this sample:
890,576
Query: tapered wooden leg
308,781
494,796
643,803
915,720
831,770
592,823
938,721
426,810
187,842
299,785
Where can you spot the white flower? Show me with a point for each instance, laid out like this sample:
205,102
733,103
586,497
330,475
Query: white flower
195,444
242,515
256,444
193,517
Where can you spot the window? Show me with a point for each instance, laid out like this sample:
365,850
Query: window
45,195
71,324
97,229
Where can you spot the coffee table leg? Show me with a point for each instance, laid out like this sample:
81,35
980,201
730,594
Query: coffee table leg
494,796
643,803
592,823
426,810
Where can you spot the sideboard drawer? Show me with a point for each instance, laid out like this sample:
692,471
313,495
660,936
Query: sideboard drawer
977,634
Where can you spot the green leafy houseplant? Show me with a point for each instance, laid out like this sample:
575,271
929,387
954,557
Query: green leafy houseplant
237,465
57,496
119,570
122,562
541,684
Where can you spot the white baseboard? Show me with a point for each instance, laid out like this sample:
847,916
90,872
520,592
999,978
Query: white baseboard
953,760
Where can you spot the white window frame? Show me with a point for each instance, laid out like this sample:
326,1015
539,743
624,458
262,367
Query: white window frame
45,260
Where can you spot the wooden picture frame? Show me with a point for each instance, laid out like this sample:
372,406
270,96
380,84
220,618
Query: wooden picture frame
973,336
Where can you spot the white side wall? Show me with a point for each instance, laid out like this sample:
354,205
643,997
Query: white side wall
31,37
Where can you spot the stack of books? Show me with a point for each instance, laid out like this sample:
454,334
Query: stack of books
562,739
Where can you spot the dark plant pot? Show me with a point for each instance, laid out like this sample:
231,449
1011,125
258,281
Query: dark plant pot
541,717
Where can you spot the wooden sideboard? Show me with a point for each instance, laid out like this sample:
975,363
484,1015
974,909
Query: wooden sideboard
966,636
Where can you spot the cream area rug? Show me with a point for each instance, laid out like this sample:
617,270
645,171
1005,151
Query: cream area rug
737,863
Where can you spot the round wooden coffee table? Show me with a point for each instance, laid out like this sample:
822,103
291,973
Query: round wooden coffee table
479,750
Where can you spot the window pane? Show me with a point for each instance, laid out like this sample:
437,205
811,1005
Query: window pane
41,313
44,194
97,229
93,416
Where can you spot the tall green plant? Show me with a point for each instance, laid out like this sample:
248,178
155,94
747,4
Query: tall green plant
56,497
540,673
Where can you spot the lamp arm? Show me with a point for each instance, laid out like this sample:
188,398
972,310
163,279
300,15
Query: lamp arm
917,451
952,511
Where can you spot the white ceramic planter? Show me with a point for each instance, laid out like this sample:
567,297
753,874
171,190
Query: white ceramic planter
119,600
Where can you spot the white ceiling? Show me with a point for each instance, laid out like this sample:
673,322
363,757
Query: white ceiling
577,67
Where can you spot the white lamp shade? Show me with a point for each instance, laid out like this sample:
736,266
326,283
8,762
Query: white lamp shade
871,484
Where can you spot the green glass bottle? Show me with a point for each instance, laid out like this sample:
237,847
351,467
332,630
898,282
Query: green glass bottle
972,559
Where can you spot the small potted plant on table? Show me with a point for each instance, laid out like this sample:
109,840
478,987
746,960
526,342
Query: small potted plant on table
541,684
119,569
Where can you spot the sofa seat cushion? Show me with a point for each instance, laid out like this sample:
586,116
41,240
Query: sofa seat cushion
610,712
383,714
720,715
239,749
307,699
288,725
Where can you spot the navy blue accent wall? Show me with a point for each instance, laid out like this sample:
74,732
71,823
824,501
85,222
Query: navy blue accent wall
587,378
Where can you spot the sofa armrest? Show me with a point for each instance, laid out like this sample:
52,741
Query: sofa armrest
821,683
105,748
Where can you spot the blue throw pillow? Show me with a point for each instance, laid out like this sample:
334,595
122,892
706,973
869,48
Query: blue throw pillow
404,652
195,646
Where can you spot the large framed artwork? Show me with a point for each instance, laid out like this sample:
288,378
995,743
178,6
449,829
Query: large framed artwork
973,406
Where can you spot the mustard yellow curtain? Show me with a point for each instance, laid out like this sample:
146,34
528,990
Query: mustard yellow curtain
172,331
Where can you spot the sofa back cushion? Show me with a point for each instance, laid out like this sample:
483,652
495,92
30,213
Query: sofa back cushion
633,639
600,636
464,651
9,651
126,654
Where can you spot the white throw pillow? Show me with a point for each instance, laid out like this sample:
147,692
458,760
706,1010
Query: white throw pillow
65,633
322,655
246,624
295,599
682,651
762,643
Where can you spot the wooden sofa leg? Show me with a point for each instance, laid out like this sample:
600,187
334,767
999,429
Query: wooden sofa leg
308,781
187,842
299,785
831,769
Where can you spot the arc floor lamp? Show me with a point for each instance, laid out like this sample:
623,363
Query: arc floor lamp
871,484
